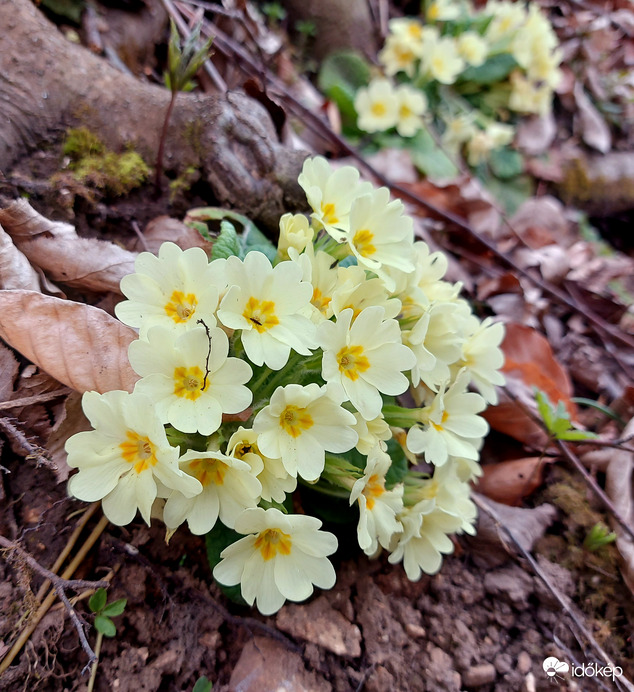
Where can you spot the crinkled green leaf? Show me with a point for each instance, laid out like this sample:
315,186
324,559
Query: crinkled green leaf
227,243
506,163
495,69
340,77
203,684
429,158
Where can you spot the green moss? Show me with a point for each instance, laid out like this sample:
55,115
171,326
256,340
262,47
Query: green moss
94,166
183,183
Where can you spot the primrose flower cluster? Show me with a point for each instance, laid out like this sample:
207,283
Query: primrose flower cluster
257,374
469,67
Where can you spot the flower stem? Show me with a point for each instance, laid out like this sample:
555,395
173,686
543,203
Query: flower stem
161,148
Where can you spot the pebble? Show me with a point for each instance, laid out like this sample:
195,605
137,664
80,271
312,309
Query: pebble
476,676
503,663
523,663
415,630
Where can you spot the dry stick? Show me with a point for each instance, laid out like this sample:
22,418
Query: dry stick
35,399
226,44
46,604
488,509
60,585
68,547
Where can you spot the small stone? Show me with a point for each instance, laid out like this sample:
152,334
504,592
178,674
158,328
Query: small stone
476,676
503,663
524,663
415,630
529,683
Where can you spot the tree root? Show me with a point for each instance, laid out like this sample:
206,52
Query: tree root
48,84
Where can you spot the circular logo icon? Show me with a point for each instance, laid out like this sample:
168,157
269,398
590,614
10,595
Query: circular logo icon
553,666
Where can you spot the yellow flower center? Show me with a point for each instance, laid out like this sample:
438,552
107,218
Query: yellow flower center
330,213
181,307
188,382
415,30
438,64
208,471
443,420
404,56
374,489
433,12
261,314
379,109
273,541
363,242
138,451
320,301
294,420
352,362
405,112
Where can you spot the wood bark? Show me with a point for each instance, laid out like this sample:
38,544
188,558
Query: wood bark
48,84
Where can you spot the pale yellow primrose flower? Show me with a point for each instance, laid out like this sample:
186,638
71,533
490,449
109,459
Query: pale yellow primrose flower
364,358
173,290
482,356
280,559
376,106
354,290
318,271
453,427
330,194
442,61
381,235
300,425
267,303
472,48
399,54
508,17
189,377
378,507
294,233
424,539
442,10
228,488
121,460
411,104
275,479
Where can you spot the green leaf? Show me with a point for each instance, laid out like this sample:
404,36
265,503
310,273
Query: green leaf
203,685
597,537
227,243
510,193
573,435
429,158
506,163
398,470
115,608
340,77
495,69
105,625
98,600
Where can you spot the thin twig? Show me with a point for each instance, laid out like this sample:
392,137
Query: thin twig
60,585
48,601
484,505
35,399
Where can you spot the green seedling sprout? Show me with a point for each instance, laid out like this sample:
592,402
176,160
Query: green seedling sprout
203,684
103,611
557,420
598,536
183,62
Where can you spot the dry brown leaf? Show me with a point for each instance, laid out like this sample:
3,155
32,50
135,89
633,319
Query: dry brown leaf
491,546
545,214
165,228
618,485
529,363
8,373
509,482
15,269
591,124
71,421
79,345
55,247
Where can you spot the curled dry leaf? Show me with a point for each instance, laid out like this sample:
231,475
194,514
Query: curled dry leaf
618,485
55,247
72,420
592,126
8,373
510,481
529,363
163,229
79,345
15,269
491,546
